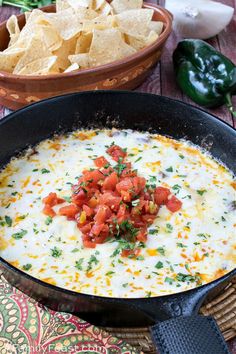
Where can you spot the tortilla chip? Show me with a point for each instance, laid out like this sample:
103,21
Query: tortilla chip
36,50
76,4
134,22
105,9
83,43
140,43
82,60
9,58
156,26
66,24
67,48
40,66
123,5
97,4
27,31
49,35
13,29
100,23
62,5
107,46
72,67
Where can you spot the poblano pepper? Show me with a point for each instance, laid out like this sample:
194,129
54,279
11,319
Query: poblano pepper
204,74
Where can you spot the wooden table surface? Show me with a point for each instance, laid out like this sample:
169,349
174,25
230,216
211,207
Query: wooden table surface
162,81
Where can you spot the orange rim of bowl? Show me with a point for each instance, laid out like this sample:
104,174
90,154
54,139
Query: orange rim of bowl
117,64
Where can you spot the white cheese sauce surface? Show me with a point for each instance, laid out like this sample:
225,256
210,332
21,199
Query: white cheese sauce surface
192,246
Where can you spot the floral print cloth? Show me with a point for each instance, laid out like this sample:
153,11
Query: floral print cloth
28,327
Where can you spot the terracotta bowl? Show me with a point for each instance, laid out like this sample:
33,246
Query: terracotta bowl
17,91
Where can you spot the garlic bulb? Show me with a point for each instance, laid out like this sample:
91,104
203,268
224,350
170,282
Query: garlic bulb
199,18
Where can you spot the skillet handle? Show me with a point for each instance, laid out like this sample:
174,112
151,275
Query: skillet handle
189,335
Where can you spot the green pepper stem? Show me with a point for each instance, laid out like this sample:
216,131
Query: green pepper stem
229,104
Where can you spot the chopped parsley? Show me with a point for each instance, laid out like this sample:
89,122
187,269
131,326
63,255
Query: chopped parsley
78,264
19,235
181,156
169,169
27,266
75,250
56,252
110,273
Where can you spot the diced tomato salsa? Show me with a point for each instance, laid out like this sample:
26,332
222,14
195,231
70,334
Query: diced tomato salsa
113,202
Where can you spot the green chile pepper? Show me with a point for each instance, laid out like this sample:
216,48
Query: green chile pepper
204,74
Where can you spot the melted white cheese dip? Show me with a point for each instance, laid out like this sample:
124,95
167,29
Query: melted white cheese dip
198,242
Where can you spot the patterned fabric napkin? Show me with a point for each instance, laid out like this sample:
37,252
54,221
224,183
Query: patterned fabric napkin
28,327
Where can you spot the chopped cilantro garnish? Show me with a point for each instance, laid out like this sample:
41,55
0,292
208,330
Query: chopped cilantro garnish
67,199
153,231
75,250
78,264
56,252
169,280
140,258
180,244
92,261
201,191
110,273
48,220
44,170
138,159
19,235
159,265
27,266
176,188
128,230
205,236
169,228
181,156
169,169
8,220
161,250
187,278
119,167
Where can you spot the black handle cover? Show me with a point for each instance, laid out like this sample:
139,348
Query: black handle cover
189,335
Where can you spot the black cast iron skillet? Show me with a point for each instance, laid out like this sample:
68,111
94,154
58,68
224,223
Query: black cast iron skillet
176,326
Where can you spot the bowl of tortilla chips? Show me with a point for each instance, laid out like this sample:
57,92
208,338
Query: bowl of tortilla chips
79,45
